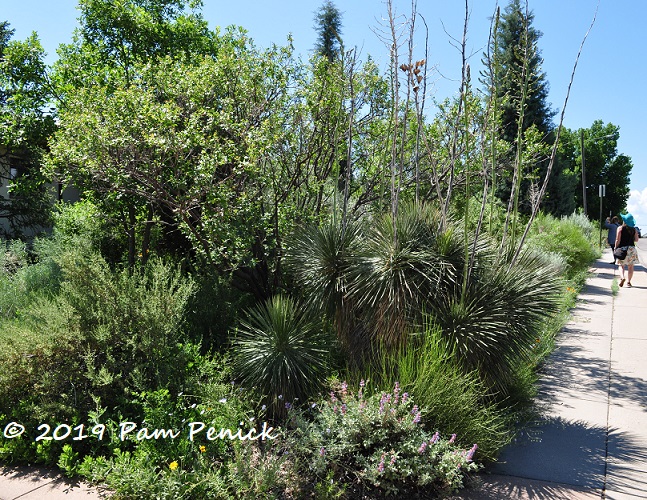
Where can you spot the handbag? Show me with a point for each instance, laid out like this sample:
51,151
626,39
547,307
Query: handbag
620,253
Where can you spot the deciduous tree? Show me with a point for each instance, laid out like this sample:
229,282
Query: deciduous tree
26,122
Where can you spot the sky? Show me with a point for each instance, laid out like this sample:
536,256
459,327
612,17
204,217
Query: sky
607,85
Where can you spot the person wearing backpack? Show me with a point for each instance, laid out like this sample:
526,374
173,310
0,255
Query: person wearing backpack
625,248
612,225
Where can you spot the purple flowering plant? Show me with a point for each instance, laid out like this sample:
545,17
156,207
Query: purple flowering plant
379,439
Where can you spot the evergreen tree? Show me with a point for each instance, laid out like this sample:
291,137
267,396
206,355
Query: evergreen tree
328,25
521,89
519,59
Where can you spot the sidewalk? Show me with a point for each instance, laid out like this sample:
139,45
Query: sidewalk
35,483
591,439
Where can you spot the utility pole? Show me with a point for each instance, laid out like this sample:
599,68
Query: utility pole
583,172
603,191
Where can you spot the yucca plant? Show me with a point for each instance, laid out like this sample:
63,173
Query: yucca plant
491,324
282,352
319,260
399,265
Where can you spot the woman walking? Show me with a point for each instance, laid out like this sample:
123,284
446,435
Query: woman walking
626,238
612,225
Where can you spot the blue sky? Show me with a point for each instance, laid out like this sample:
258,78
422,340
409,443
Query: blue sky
607,84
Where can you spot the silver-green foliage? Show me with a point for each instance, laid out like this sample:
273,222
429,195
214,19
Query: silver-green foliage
379,440
402,271
281,351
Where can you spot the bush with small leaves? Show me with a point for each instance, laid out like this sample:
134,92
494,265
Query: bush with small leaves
379,441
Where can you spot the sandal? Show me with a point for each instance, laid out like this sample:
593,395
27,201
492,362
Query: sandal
629,284
622,282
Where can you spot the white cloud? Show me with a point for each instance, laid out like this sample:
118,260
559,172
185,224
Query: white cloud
637,206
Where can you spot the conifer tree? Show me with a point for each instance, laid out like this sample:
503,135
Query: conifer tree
517,45
328,25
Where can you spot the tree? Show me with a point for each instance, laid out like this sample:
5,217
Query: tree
26,122
603,165
521,85
328,26
113,41
188,140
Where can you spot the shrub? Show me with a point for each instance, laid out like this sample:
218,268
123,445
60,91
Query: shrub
104,337
213,310
131,323
180,468
378,441
571,237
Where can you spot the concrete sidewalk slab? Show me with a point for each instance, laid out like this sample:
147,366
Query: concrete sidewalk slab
35,483
590,440
501,487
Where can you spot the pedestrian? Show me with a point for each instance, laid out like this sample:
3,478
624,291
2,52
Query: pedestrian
626,238
612,224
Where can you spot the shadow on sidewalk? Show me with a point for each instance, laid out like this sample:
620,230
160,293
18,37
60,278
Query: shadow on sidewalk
47,480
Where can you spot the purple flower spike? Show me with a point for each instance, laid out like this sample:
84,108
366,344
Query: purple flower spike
416,419
470,454
453,438
422,448
435,438
380,466
322,452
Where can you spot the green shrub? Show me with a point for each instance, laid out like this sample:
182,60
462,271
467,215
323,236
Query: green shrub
377,443
571,237
81,220
213,310
181,468
131,323
103,338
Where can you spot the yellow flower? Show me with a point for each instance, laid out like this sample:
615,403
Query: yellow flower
173,465
203,449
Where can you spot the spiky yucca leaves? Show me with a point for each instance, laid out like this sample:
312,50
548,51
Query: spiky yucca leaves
398,267
282,352
319,259
492,324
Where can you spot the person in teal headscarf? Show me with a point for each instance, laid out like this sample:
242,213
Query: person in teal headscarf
626,238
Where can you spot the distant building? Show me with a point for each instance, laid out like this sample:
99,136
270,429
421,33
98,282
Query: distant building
12,212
